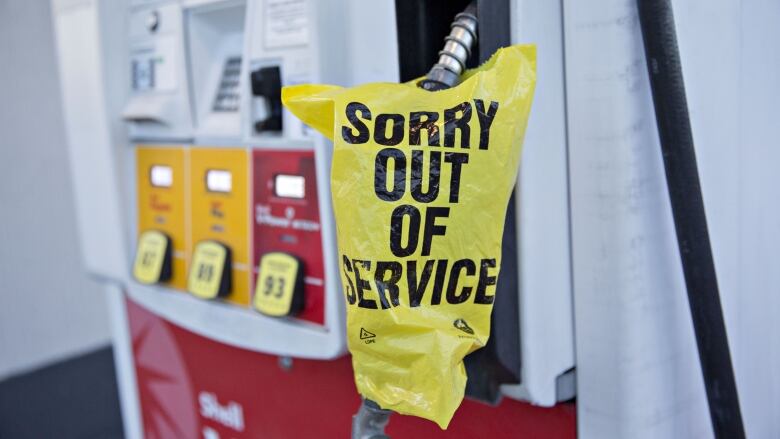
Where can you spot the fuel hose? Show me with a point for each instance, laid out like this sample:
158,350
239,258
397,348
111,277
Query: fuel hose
674,130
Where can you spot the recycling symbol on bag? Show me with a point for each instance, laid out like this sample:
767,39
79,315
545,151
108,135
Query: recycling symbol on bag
463,326
367,336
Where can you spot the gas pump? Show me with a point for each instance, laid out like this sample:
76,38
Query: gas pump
247,182
219,243
218,192
204,209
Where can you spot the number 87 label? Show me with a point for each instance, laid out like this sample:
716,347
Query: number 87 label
279,287
153,259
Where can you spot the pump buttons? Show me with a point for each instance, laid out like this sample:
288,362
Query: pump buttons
153,258
210,273
279,287
267,87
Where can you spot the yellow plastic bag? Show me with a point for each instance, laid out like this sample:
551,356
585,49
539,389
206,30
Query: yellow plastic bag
421,181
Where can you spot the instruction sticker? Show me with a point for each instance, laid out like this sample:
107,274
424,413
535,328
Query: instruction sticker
286,23
420,184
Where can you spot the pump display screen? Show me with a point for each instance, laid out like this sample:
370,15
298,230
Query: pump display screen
218,180
289,186
161,176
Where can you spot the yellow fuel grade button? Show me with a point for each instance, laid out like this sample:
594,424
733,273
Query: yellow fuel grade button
153,258
279,287
210,276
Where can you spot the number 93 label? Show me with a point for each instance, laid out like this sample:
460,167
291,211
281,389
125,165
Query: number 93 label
279,287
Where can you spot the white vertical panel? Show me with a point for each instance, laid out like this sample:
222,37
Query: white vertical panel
91,147
372,41
49,308
123,362
546,314
754,305
90,37
637,367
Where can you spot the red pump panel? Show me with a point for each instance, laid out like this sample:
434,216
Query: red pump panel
286,218
192,387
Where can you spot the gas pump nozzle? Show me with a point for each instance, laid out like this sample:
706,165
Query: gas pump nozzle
370,421
457,49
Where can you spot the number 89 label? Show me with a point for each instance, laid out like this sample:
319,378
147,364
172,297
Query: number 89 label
279,285
209,275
